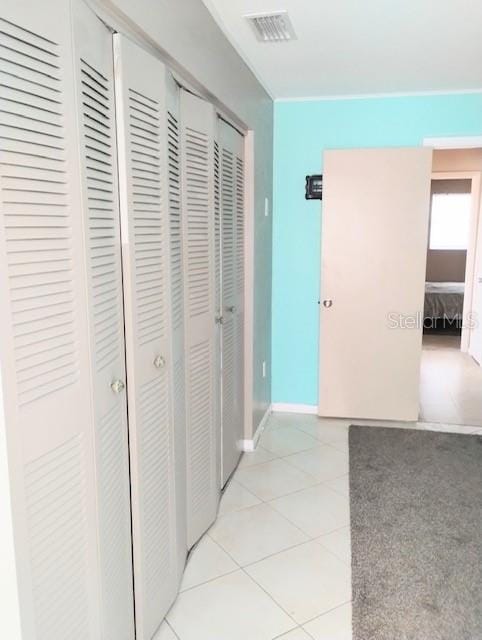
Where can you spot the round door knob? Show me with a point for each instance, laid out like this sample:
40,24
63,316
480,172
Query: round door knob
117,386
231,309
327,303
159,362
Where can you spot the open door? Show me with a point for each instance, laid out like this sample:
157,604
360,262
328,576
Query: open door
374,244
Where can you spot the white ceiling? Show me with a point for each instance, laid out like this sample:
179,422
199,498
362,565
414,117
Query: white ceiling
350,47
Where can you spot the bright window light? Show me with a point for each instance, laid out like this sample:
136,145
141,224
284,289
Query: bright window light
449,221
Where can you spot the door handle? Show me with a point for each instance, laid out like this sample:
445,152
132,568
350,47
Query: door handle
117,386
231,309
327,303
159,362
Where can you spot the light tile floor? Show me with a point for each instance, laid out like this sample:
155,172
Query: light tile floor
450,383
276,563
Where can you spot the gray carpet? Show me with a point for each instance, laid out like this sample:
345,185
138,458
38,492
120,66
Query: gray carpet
416,530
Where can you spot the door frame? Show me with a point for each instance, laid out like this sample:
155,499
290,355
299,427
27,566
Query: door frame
471,259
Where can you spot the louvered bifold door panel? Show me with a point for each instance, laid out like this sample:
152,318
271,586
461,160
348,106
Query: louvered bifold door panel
218,302
94,69
232,293
239,257
177,314
197,154
143,160
44,332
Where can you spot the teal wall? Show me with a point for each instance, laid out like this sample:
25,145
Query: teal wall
302,131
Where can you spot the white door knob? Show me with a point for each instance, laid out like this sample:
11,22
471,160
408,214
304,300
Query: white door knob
159,362
117,386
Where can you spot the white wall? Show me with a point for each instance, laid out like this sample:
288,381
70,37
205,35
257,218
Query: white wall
189,39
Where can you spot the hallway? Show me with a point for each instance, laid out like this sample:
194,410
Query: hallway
276,563
450,383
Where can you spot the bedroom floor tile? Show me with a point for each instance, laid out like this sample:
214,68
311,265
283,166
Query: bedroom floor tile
296,634
315,511
340,485
165,633
334,625
274,479
255,533
326,430
206,562
258,456
323,463
339,543
306,581
236,497
233,607
286,440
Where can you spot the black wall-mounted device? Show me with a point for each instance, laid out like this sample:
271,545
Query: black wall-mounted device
314,187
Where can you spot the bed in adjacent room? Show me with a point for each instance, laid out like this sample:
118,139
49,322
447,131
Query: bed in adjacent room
443,301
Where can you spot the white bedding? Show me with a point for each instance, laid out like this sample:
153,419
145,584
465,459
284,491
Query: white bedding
444,300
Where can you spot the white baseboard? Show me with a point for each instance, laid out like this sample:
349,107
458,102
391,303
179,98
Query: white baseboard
295,408
250,445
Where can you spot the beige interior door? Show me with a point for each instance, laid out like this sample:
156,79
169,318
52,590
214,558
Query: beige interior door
374,243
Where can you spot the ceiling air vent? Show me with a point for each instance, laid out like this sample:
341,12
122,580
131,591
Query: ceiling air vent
272,27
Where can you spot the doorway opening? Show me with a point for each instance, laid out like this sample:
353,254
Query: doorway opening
451,375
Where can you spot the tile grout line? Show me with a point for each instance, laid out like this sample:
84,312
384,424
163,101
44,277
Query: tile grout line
272,599
291,631
222,575
172,629
343,604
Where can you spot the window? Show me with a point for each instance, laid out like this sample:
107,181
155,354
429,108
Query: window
449,221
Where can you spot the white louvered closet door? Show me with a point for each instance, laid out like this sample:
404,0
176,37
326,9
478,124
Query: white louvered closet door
143,162
231,151
94,70
197,160
63,428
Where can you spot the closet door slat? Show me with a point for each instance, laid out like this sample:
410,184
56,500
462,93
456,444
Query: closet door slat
197,154
143,174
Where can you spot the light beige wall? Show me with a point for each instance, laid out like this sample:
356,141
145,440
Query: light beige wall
190,41
446,266
457,160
